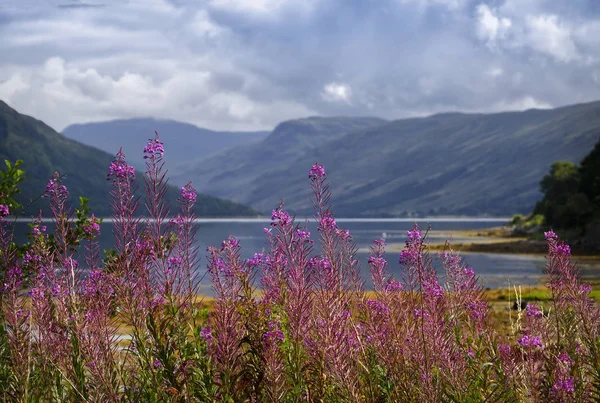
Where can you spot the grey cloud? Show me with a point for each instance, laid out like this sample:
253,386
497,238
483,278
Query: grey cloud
223,66
81,5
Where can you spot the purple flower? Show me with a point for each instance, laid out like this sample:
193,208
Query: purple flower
179,220
378,308
4,211
31,258
414,235
144,248
433,289
566,385
393,285
14,277
231,242
157,301
344,234
377,261
36,293
327,222
52,188
302,234
93,227
154,148
56,290
274,334
188,193
220,265
530,341
563,249
469,272
504,349
408,256
38,230
533,311
477,310
120,170
317,171
319,263
71,263
175,261
206,333
280,217
158,364
256,260
564,358
550,235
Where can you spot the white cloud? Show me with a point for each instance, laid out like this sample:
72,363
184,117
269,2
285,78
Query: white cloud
336,92
450,4
549,36
524,103
249,64
495,72
264,8
490,27
203,25
89,95
13,86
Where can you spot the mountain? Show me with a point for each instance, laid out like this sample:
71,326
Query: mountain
185,142
45,151
236,171
445,164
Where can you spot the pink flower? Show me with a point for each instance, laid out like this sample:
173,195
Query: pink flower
317,171
530,341
188,193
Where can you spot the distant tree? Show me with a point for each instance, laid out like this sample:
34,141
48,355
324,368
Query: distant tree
589,173
558,187
572,193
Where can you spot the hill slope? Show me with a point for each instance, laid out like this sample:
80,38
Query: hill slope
453,163
186,142
45,151
237,171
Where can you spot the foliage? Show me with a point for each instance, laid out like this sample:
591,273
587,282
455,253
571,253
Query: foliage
292,323
9,183
572,194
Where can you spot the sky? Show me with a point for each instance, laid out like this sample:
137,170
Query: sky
250,64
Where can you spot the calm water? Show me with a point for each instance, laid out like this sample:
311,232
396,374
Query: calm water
495,270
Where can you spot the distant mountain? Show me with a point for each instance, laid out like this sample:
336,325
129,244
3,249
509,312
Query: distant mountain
184,142
446,164
45,151
236,171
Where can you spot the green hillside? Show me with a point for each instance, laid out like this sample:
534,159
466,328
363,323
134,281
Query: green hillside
238,170
446,164
45,151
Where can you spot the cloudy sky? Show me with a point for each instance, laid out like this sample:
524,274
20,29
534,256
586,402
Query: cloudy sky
249,64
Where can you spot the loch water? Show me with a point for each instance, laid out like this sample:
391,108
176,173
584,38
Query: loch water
495,270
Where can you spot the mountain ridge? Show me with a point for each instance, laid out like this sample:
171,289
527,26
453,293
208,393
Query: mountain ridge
186,141
495,159
45,151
